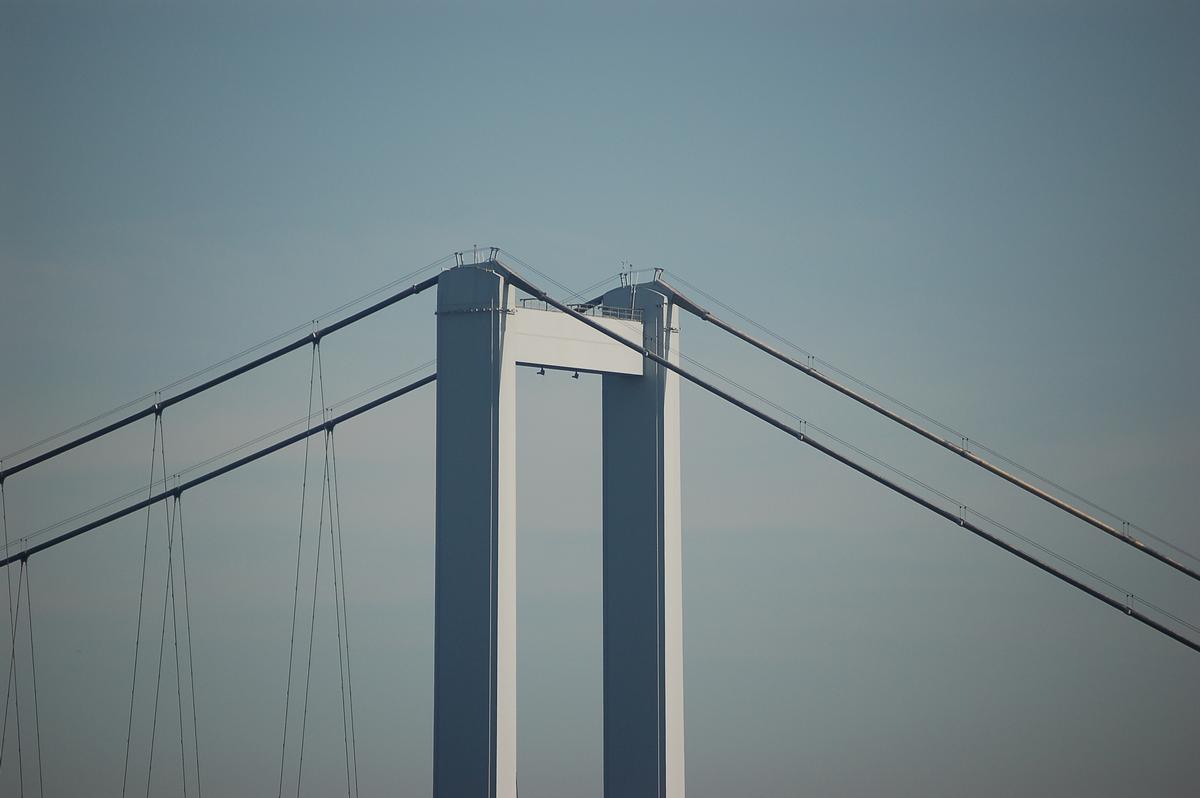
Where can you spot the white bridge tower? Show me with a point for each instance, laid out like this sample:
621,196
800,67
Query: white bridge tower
482,336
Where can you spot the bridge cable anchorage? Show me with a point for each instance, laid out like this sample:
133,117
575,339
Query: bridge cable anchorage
338,584
533,290
962,448
174,399
37,723
137,640
296,588
9,695
26,553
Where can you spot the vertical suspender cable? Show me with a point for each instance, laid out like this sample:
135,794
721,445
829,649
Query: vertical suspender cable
37,723
169,512
287,699
170,516
812,360
337,612
161,645
12,621
14,614
312,627
345,607
13,683
137,640
178,675
337,596
187,619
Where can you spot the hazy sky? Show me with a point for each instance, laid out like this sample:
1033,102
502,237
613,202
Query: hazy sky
990,210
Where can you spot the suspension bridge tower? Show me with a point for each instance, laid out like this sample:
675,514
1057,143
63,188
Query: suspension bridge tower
483,335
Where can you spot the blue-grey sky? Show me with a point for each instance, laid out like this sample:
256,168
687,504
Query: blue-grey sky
991,211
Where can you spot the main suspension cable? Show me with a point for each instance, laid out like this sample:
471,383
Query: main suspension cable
274,354
225,469
178,670
961,449
302,420
806,426
538,293
831,367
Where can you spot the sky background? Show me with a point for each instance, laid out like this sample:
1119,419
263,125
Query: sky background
991,211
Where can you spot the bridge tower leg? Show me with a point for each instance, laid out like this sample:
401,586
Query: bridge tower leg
480,342
475,727
642,582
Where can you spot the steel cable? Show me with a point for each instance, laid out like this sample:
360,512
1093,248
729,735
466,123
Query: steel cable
287,701
875,476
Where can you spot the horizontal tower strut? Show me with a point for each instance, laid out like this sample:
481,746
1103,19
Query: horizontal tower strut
961,451
158,407
800,436
225,469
